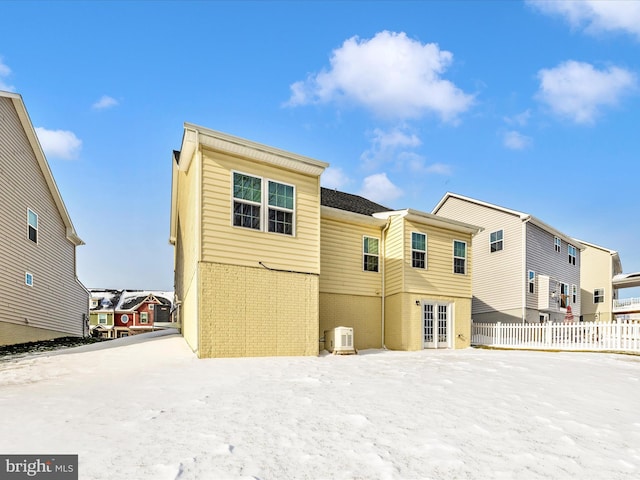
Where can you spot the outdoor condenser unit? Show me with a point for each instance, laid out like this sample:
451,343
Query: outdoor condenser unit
339,340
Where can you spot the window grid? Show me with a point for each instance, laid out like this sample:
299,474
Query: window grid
496,241
459,257
102,318
557,244
598,295
574,294
28,279
247,197
281,208
418,250
144,317
370,254
572,254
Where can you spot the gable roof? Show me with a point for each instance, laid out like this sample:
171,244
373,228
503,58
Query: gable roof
30,132
524,217
349,202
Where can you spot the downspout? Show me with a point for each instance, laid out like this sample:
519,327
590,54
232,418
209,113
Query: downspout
383,293
524,274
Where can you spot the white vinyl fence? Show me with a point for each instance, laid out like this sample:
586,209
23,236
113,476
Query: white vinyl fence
622,336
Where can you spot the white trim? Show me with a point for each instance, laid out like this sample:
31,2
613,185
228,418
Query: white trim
497,241
449,322
370,254
531,281
466,257
123,316
557,244
279,209
27,276
146,315
36,228
574,294
574,256
411,249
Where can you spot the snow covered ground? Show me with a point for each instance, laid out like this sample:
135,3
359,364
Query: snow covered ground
151,410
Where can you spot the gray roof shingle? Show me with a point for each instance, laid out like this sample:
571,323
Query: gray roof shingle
349,202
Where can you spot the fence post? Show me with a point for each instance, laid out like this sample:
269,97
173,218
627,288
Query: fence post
499,333
547,334
618,334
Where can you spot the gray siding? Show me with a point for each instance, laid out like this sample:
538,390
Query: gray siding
497,283
57,301
544,260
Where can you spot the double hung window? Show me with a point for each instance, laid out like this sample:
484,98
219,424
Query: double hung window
496,241
250,202
370,254
459,257
32,225
418,250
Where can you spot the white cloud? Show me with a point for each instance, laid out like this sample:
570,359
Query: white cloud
334,177
578,91
105,102
519,119
385,145
516,141
5,71
59,143
595,15
390,75
417,164
380,189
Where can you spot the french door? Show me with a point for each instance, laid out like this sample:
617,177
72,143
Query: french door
436,325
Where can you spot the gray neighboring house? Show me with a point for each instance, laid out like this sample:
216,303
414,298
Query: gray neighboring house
40,295
523,269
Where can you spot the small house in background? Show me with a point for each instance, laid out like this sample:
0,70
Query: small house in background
41,297
121,313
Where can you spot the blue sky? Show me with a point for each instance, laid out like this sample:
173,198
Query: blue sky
529,105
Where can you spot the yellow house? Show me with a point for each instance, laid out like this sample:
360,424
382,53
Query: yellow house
266,260
400,279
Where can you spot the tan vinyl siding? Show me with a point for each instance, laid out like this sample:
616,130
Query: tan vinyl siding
52,260
395,260
596,271
438,278
11,334
497,277
342,259
224,243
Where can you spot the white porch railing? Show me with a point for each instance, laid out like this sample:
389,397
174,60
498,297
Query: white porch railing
626,304
622,336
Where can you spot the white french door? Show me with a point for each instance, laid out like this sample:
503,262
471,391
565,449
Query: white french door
436,325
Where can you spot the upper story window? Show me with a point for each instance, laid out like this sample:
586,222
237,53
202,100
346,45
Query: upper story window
28,279
598,295
557,244
32,225
370,254
249,202
531,277
280,208
102,318
144,317
496,241
572,254
124,318
574,294
94,303
418,250
459,257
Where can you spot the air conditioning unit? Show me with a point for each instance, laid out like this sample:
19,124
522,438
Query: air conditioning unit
339,341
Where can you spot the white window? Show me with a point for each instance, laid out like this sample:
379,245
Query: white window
459,257
574,294
598,295
370,254
281,208
557,244
572,254
532,281
124,318
32,225
418,250
151,305
94,303
28,279
102,318
496,241
249,202
144,317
